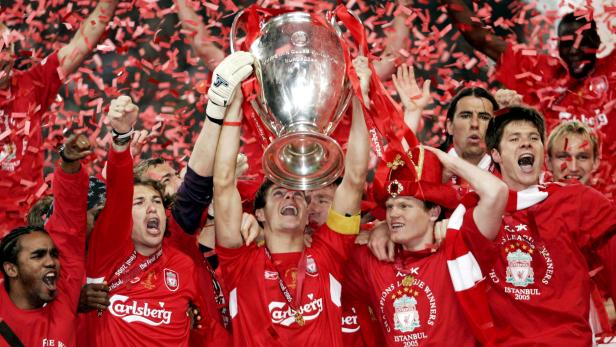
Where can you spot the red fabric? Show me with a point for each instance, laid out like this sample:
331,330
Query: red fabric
22,107
551,307
213,331
56,321
351,334
458,245
415,173
147,312
545,83
260,315
441,321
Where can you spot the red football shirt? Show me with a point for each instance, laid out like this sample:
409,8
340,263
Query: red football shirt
151,308
351,336
54,324
545,83
21,159
413,298
540,284
213,331
260,314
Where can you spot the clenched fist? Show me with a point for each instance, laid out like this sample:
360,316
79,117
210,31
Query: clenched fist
122,114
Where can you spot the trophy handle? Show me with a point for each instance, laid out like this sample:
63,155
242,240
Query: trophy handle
346,97
233,33
333,20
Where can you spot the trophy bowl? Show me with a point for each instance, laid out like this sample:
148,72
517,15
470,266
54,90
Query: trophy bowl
304,90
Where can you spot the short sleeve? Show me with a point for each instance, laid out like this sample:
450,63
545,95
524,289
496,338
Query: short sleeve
334,246
484,250
235,263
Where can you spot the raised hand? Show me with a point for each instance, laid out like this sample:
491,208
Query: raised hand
76,147
412,97
136,144
508,98
227,76
448,162
122,114
364,73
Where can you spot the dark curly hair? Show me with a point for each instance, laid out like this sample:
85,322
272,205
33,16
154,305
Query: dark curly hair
10,246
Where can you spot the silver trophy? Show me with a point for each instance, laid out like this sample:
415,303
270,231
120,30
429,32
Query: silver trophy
304,92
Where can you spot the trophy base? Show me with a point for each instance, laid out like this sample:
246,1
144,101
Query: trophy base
303,161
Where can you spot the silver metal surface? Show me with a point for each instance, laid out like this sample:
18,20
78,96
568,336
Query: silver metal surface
301,70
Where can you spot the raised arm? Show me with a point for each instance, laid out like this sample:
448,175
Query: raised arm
493,192
70,190
112,230
196,191
227,201
67,224
395,41
198,35
86,37
481,38
348,195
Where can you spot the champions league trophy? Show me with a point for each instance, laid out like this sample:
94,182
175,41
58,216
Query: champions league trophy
304,90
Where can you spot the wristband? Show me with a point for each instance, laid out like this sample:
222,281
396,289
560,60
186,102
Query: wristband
215,120
121,139
232,124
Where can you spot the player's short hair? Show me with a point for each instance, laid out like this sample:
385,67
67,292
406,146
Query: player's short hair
574,127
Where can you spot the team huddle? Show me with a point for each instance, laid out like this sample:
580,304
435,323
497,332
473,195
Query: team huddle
503,236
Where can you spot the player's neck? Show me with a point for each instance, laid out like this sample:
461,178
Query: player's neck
517,186
19,297
421,242
473,158
284,241
146,251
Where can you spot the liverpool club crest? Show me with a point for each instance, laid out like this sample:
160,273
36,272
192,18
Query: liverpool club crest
172,280
519,270
311,266
406,317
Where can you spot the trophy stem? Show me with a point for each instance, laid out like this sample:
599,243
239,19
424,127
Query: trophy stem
303,161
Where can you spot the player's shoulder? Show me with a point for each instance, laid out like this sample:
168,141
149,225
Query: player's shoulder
175,257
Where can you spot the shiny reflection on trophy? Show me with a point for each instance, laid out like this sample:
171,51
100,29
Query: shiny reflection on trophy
304,91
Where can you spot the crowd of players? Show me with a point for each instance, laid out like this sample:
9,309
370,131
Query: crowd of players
483,241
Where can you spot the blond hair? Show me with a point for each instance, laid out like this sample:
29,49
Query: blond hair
574,127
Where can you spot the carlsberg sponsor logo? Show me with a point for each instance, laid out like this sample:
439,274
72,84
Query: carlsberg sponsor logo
282,314
133,312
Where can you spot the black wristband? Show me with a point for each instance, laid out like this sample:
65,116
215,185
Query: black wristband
214,120
121,139
64,157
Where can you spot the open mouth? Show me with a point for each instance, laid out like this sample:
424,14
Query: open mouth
153,225
526,162
289,210
397,227
50,280
573,177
